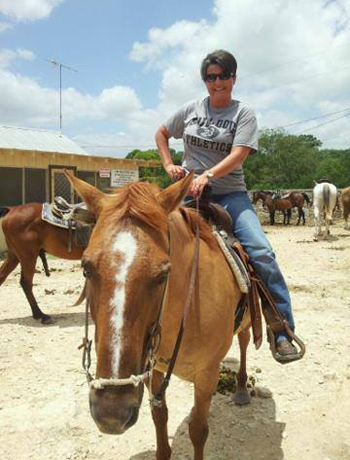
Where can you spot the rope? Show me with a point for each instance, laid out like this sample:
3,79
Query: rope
99,384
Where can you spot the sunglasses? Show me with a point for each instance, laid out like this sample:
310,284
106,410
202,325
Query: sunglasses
211,77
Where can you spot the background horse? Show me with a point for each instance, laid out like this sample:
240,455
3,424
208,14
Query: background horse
298,200
25,236
274,205
285,204
324,200
345,199
138,264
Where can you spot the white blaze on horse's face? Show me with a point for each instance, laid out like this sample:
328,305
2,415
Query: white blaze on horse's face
125,246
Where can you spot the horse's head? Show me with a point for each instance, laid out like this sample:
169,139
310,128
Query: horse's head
126,266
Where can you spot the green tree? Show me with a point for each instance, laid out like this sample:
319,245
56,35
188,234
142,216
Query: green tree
154,175
283,161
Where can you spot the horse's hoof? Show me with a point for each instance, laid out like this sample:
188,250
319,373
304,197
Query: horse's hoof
46,319
241,397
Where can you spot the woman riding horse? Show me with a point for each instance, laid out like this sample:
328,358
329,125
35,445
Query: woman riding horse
219,133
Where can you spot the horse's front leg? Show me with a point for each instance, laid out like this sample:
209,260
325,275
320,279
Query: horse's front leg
204,389
27,275
242,396
160,419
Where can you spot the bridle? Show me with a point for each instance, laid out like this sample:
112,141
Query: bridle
150,351
153,340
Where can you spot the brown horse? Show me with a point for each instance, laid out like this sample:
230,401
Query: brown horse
284,204
138,264
274,205
25,236
345,199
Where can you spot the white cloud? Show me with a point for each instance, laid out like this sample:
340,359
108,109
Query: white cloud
5,26
8,56
24,102
28,10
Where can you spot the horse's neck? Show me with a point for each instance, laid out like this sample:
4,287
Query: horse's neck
181,237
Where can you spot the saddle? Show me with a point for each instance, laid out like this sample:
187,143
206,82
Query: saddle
66,211
256,298
75,218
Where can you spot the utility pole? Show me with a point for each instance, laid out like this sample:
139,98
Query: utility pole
60,66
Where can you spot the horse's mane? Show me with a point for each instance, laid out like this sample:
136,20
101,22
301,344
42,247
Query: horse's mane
140,200
192,219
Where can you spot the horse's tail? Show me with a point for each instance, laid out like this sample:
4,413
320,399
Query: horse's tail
306,198
326,201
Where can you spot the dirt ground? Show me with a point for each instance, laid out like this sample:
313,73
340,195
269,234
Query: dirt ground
44,411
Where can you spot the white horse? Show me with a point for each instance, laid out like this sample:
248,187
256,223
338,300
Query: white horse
324,199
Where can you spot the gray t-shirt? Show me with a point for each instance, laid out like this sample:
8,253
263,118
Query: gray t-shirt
209,135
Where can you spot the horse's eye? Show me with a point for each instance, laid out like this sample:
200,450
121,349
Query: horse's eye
163,275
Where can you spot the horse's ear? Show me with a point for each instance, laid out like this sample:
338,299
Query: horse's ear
91,195
172,196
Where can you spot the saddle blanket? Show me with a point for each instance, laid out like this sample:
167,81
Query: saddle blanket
237,266
48,216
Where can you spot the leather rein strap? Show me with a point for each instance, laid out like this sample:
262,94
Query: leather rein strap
158,398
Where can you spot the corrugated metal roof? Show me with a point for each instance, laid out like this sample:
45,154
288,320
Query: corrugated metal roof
36,139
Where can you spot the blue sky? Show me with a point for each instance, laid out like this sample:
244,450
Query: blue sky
137,61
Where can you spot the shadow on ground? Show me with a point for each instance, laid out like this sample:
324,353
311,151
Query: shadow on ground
61,320
250,432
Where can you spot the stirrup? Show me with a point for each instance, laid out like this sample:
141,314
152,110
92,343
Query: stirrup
290,358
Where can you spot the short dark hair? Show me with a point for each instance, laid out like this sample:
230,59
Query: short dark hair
222,58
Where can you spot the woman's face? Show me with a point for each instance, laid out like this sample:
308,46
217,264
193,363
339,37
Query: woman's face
219,90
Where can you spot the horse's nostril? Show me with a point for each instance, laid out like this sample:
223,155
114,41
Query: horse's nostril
134,413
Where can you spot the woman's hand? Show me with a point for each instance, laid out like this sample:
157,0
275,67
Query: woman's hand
197,185
175,172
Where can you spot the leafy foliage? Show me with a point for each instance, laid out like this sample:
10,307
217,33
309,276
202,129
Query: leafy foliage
154,175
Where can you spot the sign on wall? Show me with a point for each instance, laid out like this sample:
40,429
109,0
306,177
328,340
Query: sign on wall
105,172
121,177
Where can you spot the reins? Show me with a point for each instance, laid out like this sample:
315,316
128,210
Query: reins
158,398
153,340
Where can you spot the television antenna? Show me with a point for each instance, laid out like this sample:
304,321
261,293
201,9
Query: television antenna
60,66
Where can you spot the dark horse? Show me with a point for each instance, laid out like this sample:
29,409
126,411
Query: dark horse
284,204
26,236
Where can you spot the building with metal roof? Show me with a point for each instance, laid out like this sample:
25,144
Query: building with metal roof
32,163
37,139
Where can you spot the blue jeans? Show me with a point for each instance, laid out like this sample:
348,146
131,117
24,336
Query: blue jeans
247,229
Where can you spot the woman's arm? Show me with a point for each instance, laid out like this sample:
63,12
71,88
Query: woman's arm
162,137
232,161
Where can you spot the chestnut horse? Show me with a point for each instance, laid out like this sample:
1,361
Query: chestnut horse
24,236
285,204
138,264
345,199
274,205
